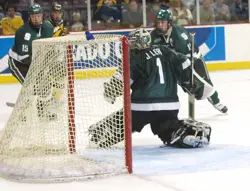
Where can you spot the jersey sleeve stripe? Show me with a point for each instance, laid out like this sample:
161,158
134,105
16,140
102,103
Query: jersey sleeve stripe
17,57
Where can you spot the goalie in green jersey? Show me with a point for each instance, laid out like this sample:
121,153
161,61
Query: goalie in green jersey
178,38
155,72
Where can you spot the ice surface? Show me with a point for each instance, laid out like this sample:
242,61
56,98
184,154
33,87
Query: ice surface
224,165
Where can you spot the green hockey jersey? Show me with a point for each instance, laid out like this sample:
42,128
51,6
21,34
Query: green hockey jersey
154,74
177,38
22,49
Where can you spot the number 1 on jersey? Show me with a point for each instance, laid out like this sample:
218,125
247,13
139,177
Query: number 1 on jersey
158,63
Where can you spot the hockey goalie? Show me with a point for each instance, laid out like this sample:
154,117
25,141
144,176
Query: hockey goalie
155,72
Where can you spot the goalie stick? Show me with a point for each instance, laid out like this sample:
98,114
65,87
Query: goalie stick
191,98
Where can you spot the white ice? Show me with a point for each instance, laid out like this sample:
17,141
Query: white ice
224,165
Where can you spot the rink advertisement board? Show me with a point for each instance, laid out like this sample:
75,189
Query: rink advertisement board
210,39
211,42
5,44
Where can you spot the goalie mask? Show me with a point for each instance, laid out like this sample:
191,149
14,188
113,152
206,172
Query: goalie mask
139,39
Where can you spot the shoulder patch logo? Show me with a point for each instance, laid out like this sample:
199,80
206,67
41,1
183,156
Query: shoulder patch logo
27,36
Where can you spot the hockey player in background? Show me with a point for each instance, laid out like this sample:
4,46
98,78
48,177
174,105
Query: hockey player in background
155,72
56,19
178,38
21,53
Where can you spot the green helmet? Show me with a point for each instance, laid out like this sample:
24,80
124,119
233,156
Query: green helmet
164,15
140,38
35,9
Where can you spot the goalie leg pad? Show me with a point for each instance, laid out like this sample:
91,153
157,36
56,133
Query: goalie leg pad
166,129
191,134
108,131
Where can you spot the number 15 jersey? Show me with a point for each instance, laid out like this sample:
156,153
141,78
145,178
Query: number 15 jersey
25,35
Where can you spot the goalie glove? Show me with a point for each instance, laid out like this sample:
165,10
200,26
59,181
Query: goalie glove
112,90
195,89
188,88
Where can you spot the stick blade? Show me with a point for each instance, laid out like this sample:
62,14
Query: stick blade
9,104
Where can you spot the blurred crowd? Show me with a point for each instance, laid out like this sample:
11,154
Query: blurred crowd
111,14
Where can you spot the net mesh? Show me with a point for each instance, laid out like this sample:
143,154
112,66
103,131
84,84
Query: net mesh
46,138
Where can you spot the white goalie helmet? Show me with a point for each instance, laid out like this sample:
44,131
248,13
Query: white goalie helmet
139,39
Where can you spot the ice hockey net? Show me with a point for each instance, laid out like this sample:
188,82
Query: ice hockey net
46,138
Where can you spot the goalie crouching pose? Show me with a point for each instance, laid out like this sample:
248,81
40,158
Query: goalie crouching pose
155,72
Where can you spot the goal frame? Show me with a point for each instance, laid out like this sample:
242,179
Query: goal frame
126,101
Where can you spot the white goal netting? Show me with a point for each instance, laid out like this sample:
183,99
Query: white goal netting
46,138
